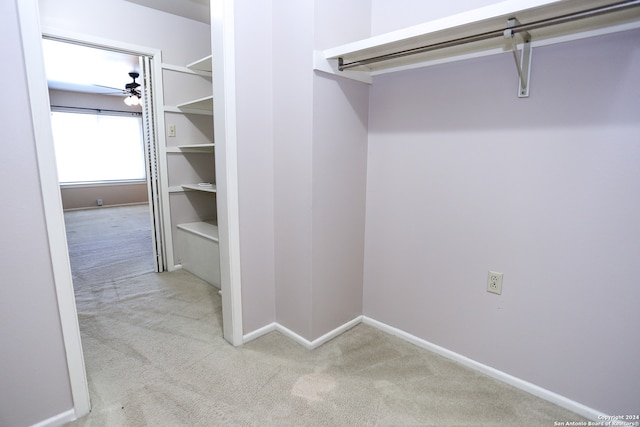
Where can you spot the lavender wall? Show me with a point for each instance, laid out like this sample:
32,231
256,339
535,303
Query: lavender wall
319,169
34,380
339,189
340,109
464,177
292,119
254,97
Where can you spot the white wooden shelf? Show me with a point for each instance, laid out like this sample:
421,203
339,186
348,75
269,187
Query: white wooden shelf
206,229
205,103
487,19
202,106
183,110
192,187
211,188
201,67
204,64
192,148
197,106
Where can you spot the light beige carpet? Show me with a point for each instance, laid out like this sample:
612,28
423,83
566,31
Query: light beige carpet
155,357
109,243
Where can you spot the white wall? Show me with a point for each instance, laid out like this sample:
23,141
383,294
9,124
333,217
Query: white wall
34,381
464,177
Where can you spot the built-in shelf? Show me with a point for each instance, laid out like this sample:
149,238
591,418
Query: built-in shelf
193,148
440,36
205,103
198,106
192,187
204,64
201,67
209,188
206,229
192,246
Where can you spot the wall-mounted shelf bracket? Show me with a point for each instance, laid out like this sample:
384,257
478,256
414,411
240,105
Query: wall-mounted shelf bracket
523,62
331,66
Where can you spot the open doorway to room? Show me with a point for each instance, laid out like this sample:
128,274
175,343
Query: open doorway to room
132,320
105,159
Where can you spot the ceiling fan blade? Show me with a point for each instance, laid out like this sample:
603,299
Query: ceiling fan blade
110,87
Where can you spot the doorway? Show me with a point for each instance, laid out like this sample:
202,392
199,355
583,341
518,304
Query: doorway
102,123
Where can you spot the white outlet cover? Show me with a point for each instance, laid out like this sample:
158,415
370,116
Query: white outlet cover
494,282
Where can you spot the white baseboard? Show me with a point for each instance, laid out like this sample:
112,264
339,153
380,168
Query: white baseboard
518,383
58,420
259,332
321,340
86,208
521,384
299,339
292,335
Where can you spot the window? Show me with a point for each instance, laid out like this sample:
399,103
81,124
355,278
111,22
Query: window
98,147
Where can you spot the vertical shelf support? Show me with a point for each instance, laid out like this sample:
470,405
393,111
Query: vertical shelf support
523,63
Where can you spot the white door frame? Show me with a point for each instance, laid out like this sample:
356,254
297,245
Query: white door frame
224,115
51,195
54,218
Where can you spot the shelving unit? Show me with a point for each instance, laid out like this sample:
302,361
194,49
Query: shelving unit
189,156
486,31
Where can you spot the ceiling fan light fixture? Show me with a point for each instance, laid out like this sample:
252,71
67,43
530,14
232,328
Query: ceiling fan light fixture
135,96
132,100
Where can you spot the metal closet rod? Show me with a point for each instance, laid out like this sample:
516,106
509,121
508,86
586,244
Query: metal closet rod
596,11
64,108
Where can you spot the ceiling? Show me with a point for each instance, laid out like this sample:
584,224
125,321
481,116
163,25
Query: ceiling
197,10
80,68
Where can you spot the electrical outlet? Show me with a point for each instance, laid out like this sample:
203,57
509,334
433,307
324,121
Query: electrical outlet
99,202
171,130
494,282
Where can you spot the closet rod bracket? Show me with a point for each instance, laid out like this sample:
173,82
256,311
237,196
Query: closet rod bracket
523,62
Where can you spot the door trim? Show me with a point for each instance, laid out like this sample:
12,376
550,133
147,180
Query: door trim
54,218
224,115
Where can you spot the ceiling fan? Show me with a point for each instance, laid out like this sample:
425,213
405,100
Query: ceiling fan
134,95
